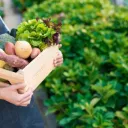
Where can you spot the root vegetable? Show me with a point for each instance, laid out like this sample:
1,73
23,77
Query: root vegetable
23,49
35,52
10,48
7,67
2,63
13,60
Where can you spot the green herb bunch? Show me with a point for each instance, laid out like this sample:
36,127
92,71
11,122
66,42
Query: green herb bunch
40,33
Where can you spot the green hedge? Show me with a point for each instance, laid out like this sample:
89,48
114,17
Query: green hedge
90,90
1,9
1,13
22,5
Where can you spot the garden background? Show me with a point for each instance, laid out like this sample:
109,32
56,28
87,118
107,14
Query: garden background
90,89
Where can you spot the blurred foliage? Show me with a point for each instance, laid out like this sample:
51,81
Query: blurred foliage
126,2
90,90
22,5
1,8
1,13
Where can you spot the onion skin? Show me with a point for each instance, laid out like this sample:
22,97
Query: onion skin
35,52
9,48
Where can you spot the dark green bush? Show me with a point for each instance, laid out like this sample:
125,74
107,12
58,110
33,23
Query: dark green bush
1,13
90,90
1,9
22,5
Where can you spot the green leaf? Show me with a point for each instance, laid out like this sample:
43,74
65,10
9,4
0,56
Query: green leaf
95,48
94,101
120,115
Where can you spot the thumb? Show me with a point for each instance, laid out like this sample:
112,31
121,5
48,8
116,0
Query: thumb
59,45
18,86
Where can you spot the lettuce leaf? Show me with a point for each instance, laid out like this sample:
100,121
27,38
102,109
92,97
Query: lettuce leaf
39,33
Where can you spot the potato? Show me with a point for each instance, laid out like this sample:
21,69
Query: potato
15,61
23,49
2,63
35,52
10,48
7,67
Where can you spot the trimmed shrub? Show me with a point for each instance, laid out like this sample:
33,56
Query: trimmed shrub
22,5
1,9
90,90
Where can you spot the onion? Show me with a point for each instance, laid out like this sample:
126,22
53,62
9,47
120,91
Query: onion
23,49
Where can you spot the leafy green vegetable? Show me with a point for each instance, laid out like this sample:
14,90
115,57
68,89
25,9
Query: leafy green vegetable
39,32
5,38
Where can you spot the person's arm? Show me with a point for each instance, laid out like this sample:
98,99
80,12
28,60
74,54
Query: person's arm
10,94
